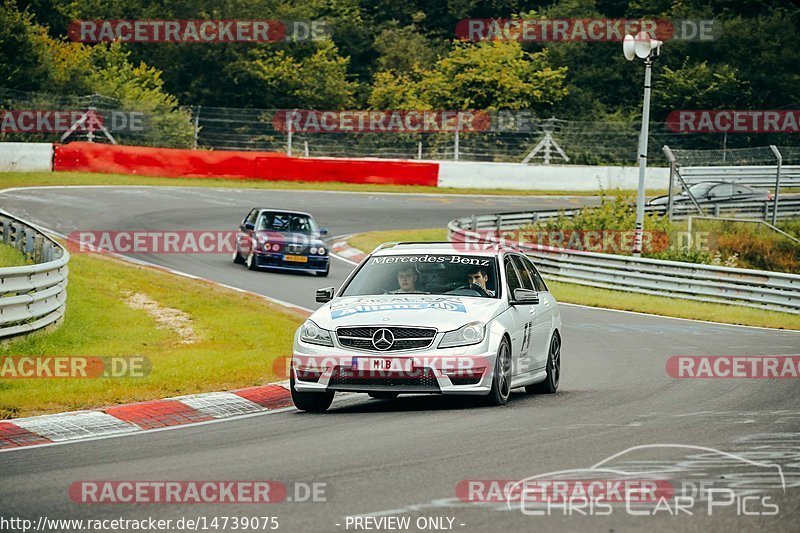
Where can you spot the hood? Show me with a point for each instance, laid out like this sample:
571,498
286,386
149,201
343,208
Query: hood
287,237
441,311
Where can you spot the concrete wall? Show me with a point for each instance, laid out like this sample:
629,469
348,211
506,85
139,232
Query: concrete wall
26,157
481,175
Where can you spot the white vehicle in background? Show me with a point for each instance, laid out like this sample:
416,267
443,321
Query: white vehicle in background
430,318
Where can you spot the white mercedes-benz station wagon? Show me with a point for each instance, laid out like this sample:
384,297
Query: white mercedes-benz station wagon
430,318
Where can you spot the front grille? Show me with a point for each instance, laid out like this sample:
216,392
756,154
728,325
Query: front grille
295,248
421,378
404,338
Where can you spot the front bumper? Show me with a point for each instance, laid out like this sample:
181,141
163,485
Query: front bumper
465,370
275,260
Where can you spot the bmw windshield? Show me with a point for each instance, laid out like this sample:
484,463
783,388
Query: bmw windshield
286,222
452,274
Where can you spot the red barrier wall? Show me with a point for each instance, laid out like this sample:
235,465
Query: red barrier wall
169,162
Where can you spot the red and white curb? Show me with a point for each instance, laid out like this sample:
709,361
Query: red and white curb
344,251
142,416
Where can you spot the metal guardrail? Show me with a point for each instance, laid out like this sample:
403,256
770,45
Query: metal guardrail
756,176
689,281
31,296
762,209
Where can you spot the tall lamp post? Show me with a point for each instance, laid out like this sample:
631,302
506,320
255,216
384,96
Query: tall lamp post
647,49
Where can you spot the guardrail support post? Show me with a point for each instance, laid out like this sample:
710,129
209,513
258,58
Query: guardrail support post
673,163
779,157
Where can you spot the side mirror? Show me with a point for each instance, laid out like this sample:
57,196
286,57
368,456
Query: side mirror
325,295
323,231
248,225
525,297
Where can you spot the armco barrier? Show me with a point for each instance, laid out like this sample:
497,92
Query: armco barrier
32,296
169,162
705,283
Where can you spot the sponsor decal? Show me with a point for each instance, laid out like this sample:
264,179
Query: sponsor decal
452,306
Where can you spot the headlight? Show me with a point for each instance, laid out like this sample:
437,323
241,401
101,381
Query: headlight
313,334
472,333
321,250
313,251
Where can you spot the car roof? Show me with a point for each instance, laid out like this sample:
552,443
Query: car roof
287,211
402,248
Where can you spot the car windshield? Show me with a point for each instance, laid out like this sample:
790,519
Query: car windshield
700,190
453,274
286,222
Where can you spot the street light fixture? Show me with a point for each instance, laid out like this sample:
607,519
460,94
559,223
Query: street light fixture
643,47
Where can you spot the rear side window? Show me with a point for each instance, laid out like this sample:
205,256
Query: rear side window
538,282
527,282
251,218
512,279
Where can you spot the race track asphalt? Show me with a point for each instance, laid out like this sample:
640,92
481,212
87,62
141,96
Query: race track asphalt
405,457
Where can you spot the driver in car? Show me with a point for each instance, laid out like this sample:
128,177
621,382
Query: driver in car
407,279
479,276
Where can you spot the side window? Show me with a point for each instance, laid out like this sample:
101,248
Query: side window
251,218
512,280
527,282
726,189
538,282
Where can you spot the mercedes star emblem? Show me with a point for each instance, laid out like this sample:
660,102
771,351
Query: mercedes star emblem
382,339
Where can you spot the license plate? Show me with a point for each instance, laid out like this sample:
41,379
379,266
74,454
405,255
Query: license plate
296,258
378,364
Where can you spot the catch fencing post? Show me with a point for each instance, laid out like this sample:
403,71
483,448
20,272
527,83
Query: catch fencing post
779,157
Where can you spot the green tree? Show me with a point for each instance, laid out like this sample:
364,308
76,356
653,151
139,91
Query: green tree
487,75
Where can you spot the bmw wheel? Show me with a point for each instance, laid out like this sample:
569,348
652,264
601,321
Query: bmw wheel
501,381
550,383
237,256
251,261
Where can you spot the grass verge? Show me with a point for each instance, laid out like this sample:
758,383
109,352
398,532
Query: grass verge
11,257
626,301
240,336
40,179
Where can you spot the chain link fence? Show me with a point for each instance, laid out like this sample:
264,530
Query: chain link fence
514,136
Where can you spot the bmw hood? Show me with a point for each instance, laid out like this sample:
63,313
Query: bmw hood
442,312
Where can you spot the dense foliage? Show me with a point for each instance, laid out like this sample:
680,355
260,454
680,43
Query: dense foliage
385,53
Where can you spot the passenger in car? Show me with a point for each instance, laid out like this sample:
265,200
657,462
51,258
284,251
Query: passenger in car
407,280
479,276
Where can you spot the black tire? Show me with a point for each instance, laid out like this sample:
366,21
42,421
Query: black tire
251,261
312,402
550,383
383,395
237,257
501,379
